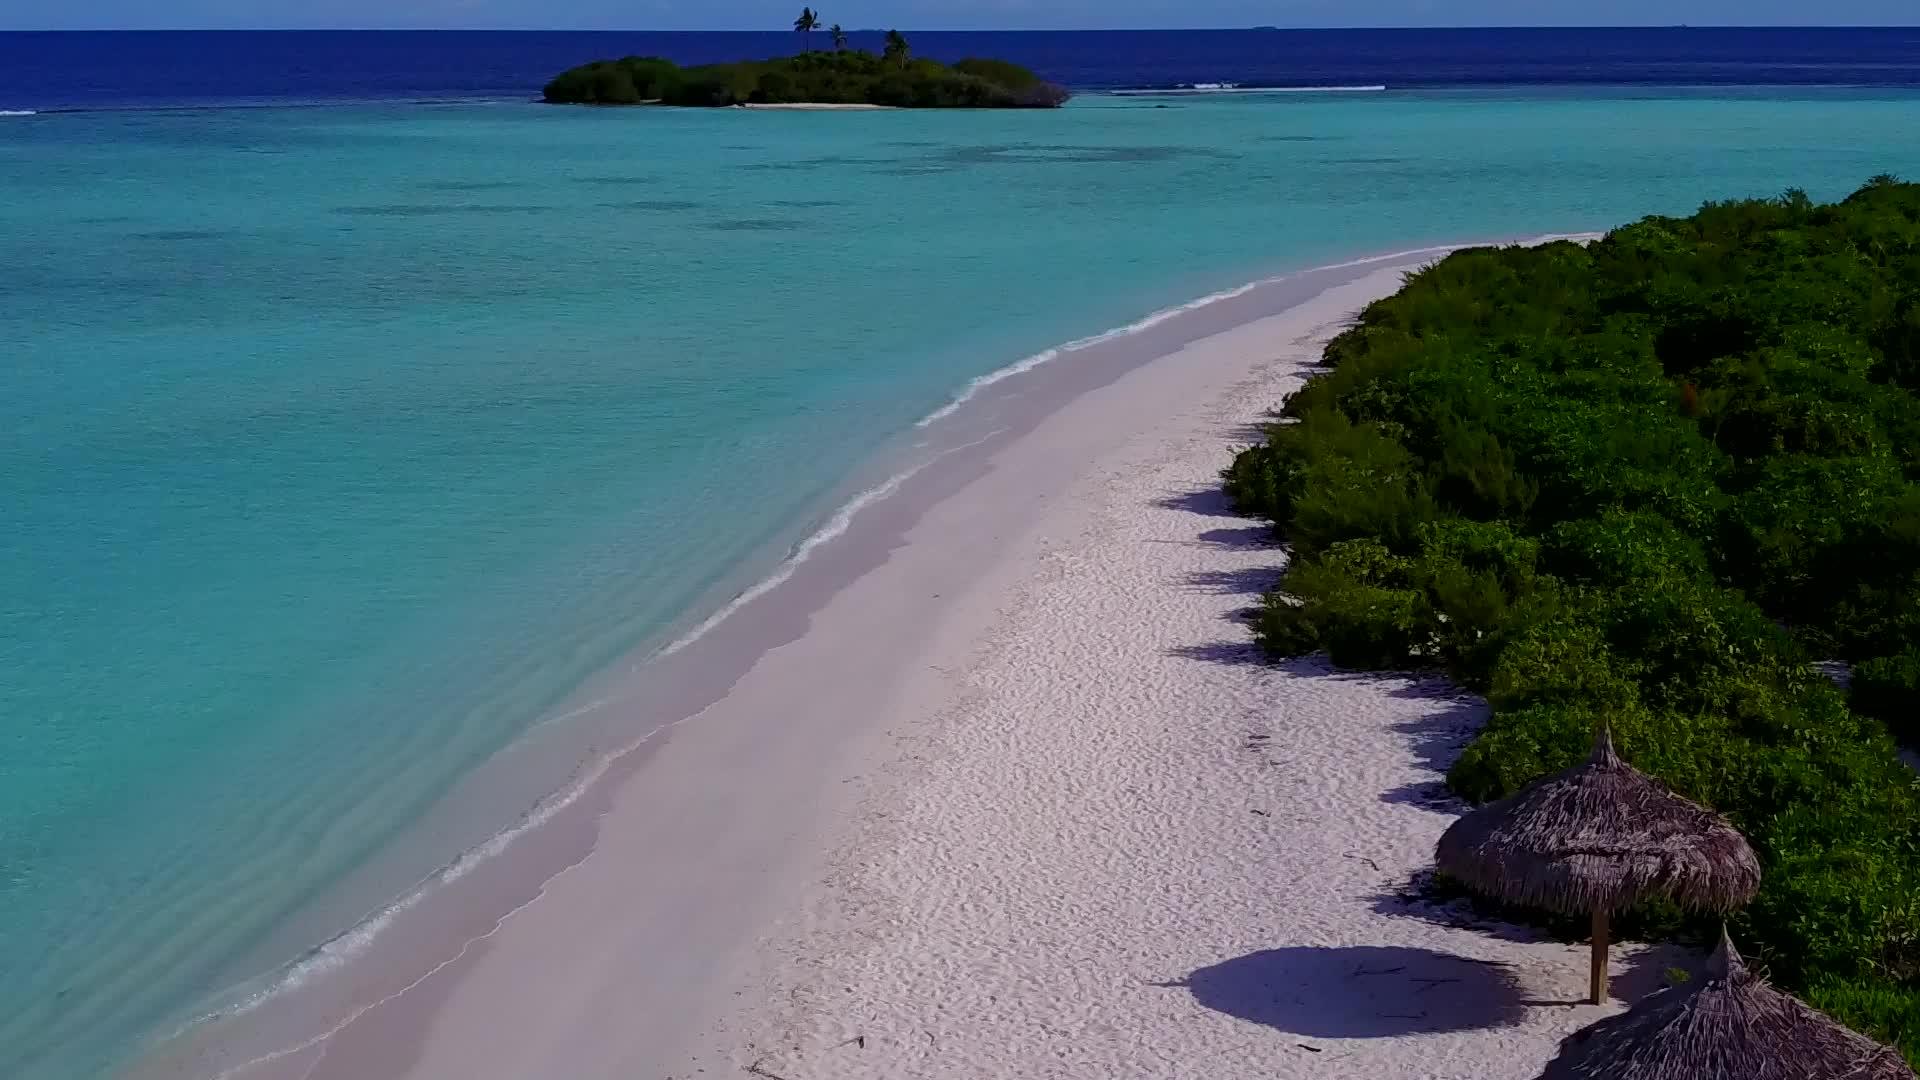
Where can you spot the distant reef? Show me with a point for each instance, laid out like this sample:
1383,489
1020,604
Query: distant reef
840,77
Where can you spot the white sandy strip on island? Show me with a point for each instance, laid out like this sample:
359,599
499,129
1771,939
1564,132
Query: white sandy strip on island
1002,796
1127,849
816,106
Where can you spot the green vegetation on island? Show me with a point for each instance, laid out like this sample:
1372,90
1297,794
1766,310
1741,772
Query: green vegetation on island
843,76
1653,481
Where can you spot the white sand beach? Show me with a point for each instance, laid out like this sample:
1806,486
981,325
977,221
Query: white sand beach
1127,849
1018,800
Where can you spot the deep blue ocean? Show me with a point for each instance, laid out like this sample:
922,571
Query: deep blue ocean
109,70
357,409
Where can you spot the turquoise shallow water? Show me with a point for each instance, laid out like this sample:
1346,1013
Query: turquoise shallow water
339,444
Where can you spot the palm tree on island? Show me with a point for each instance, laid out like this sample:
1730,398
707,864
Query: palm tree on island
839,38
897,48
805,25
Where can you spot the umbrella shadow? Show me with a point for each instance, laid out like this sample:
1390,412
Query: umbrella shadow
1360,992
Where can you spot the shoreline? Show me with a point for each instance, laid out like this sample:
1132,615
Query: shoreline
1005,411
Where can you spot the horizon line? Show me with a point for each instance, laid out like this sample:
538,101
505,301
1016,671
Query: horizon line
1258,27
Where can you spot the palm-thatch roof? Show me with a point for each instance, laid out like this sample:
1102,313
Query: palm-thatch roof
1597,838
1731,1026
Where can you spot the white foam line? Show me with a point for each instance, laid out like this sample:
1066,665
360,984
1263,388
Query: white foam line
973,388
499,843
1046,355
341,948
835,526
18,112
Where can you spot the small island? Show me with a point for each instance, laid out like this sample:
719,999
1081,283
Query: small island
844,76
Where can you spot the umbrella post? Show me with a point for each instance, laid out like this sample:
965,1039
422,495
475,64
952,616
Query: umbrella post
1599,973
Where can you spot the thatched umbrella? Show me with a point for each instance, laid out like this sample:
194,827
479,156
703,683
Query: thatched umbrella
1732,1026
1596,839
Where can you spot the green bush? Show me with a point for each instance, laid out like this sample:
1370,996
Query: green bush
1621,548
705,88
1649,481
603,83
1870,1005
653,77
773,86
1523,744
1355,602
1888,689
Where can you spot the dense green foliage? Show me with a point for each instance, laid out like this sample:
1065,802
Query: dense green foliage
1888,688
1650,480
615,82
848,77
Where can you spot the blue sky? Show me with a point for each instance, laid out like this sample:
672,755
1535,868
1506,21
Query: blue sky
937,14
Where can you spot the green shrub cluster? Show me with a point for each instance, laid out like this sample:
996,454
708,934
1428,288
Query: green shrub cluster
1651,479
846,77
1887,688
627,81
